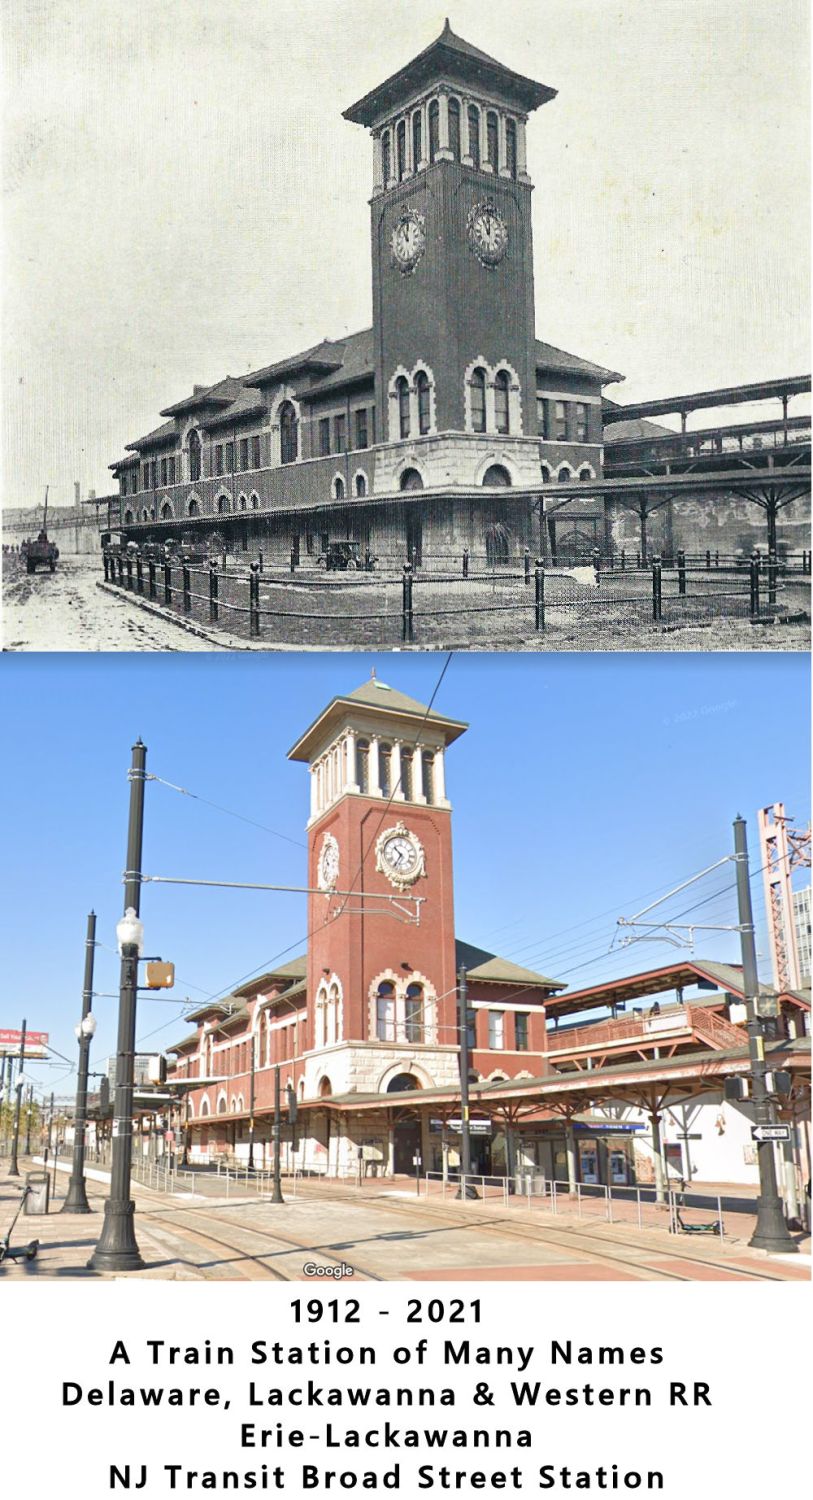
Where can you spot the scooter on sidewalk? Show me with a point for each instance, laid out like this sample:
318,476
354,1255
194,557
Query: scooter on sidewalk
25,1252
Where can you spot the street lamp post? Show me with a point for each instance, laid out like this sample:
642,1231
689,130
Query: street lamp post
14,1170
76,1201
251,1104
276,1196
29,1110
466,1189
117,1249
771,1231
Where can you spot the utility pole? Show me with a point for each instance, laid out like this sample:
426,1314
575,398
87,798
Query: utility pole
276,1196
466,1189
117,1249
14,1170
29,1109
771,1232
76,1201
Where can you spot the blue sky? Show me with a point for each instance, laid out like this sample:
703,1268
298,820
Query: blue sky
585,786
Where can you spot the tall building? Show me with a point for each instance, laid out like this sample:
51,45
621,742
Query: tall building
408,435
801,923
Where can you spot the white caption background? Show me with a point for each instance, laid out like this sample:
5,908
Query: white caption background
746,1342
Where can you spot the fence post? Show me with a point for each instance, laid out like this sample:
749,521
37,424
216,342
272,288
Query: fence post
717,559
254,599
105,565
708,558
465,562
539,594
772,571
623,560
526,562
754,579
657,588
151,579
167,583
187,590
214,584
293,559
408,624
681,562
139,575
129,572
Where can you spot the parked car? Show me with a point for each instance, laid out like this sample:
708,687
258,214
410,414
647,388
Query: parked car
343,557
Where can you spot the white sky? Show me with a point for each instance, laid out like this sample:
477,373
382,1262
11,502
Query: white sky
183,200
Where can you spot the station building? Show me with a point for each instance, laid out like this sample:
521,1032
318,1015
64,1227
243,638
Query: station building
609,1084
435,428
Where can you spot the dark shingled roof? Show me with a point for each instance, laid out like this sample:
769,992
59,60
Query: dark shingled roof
378,695
158,435
548,357
221,394
448,57
489,968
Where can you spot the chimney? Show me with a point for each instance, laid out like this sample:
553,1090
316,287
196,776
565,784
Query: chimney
76,491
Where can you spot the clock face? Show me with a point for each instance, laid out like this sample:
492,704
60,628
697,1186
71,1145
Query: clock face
488,234
399,855
328,863
408,240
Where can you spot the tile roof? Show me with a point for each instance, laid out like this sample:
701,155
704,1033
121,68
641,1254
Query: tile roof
488,967
637,427
158,435
322,355
221,393
357,363
248,403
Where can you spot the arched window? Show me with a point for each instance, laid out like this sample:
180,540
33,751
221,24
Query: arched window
428,775
193,509
221,1105
145,515
454,128
338,488
565,475
255,502
492,138
363,765
386,163
417,140
422,387
497,474
585,474
325,1088
402,392
434,130
242,502
128,516
402,1083
385,769
287,433
501,388
166,511
385,1012
511,147
332,1027
400,149
194,456
474,134
411,480
361,485
222,505
478,400
413,1013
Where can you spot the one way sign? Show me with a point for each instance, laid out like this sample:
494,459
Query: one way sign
770,1132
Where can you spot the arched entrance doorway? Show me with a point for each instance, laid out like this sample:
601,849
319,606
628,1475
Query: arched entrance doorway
406,1130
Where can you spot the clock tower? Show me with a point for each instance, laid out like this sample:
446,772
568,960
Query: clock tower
381,947
452,258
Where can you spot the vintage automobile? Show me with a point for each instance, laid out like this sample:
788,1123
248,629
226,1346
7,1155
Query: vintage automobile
343,557
39,553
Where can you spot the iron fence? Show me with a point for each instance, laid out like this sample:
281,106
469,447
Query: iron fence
473,605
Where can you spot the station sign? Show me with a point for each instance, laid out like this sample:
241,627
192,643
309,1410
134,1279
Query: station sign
36,1043
770,1132
455,1127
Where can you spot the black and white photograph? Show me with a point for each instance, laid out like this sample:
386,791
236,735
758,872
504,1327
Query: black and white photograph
405,1032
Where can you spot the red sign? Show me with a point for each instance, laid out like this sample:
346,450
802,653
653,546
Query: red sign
32,1038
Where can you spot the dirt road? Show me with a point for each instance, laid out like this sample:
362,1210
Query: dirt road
65,611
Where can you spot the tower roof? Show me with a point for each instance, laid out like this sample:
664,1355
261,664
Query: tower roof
386,702
450,58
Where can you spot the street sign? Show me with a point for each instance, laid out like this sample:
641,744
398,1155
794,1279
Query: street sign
770,1132
683,1136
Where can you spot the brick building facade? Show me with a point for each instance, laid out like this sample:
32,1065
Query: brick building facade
407,435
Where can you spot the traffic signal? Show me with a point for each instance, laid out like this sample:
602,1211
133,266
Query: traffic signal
292,1103
104,1096
735,1089
157,1068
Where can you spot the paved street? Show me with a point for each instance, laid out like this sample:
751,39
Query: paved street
380,1235
65,611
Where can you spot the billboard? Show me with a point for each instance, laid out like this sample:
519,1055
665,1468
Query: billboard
36,1043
